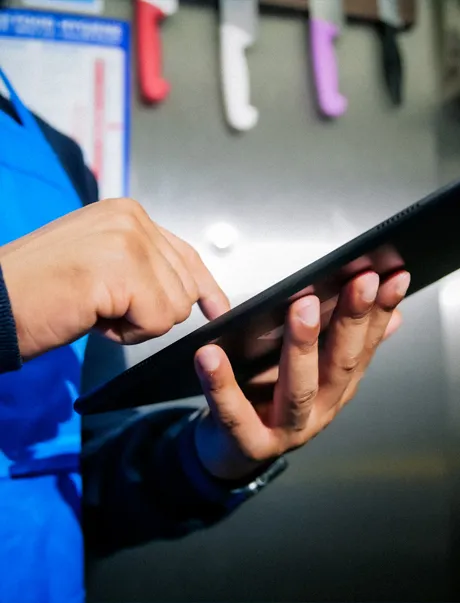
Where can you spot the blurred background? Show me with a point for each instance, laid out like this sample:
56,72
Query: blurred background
369,511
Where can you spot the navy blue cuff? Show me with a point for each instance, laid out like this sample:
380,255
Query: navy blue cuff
217,491
10,358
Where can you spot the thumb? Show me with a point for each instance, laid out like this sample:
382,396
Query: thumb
227,403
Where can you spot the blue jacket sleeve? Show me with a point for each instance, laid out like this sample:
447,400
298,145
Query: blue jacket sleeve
10,358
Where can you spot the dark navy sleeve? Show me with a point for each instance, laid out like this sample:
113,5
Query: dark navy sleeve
10,359
144,481
136,488
71,158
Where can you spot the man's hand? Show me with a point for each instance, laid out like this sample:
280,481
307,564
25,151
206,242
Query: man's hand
287,407
106,266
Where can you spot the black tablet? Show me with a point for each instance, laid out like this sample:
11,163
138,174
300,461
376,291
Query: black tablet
423,239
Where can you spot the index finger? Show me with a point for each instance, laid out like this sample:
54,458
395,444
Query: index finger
211,299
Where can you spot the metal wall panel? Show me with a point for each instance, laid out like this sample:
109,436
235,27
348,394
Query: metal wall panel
363,512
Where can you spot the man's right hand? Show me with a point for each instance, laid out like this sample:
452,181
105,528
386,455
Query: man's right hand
106,266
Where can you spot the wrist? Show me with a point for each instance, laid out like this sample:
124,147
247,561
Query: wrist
229,492
219,455
44,296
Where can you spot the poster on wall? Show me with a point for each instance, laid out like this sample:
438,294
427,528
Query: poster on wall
73,71
74,6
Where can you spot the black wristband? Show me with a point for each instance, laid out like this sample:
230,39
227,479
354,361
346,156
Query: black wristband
10,358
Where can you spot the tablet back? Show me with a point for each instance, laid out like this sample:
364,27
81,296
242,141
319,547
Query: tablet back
423,239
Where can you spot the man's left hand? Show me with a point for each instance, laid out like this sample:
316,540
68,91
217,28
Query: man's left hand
288,406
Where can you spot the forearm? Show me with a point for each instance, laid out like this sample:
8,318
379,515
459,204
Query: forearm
10,358
145,482
136,489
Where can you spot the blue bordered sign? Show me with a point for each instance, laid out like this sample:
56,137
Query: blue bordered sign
100,34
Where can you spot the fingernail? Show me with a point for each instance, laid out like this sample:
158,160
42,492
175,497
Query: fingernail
208,359
370,286
402,284
308,312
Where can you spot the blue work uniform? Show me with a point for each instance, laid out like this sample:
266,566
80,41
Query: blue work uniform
145,481
40,535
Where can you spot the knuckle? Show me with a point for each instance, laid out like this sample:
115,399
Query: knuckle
191,255
125,222
296,421
216,387
307,347
387,307
361,318
128,213
127,205
168,314
167,322
230,422
347,364
164,320
189,286
192,289
183,310
302,400
125,247
124,205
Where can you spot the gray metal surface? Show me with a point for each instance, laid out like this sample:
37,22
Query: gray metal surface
363,513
